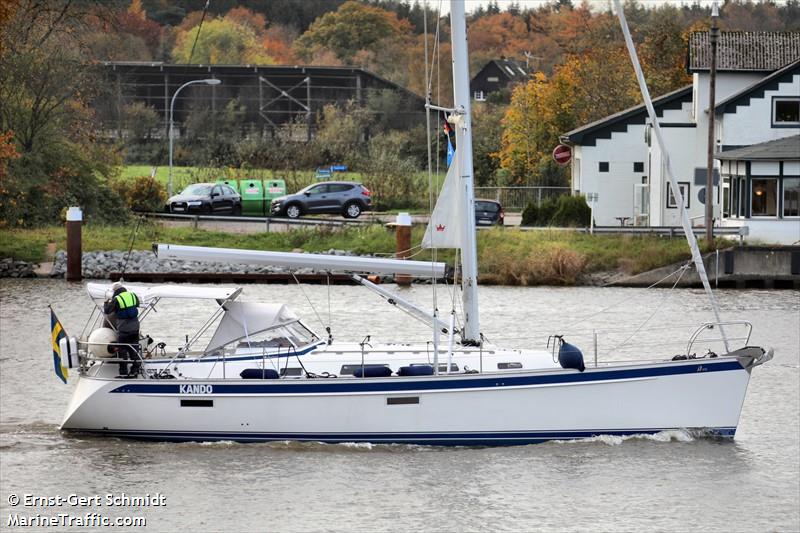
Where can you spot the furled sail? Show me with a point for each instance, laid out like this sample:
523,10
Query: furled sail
319,262
445,229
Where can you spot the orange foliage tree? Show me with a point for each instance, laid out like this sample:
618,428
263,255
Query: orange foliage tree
351,28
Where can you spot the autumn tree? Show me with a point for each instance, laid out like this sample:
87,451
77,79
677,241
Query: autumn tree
45,89
583,89
487,132
7,152
497,35
221,41
352,28
277,43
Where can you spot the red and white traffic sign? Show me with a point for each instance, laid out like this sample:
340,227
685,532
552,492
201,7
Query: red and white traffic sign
562,154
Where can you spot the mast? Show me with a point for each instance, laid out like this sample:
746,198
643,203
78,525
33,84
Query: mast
463,158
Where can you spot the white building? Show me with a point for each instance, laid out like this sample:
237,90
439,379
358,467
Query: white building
758,95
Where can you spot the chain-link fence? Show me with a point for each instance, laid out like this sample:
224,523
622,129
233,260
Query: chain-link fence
517,198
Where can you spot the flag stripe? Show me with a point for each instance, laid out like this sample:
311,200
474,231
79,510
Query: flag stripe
56,334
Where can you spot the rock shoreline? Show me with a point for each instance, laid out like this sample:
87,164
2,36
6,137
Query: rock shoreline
10,268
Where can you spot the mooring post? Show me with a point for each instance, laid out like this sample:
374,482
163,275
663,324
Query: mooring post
403,227
74,251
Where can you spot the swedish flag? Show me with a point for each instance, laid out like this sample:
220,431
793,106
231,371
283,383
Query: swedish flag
56,334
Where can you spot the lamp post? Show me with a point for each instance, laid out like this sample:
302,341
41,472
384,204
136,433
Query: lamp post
713,35
210,81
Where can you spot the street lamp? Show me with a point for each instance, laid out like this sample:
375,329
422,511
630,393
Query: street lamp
210,81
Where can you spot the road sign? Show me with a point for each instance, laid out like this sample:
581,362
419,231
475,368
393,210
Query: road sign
562,154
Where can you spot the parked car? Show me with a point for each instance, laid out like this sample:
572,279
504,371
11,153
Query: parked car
206,198
346,198
489,213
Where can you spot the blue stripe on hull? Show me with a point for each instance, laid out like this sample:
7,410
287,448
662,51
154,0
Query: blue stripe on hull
440,383
431,439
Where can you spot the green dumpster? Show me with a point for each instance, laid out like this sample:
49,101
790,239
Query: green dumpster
229,183
252,192
273,189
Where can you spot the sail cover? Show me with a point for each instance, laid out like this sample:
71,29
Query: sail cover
447,220
248,318
147,293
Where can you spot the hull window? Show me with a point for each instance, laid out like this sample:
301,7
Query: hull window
408,400
197,403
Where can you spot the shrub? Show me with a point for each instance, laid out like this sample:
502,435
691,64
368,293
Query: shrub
143,194
572,211
566,211
541,215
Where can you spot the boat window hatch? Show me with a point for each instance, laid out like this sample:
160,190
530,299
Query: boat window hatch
197,403
508,366
348,370
291,372
403,400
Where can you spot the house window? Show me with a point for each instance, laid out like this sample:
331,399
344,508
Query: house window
672,202
493,79
726,199
733,209
480,96
638,166
791,197
603,166
742,209
786,112
764,196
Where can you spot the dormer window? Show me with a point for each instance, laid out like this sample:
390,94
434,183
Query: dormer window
785,112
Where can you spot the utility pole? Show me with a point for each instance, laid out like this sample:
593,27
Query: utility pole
713,35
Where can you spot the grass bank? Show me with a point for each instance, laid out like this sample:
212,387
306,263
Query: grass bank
505,256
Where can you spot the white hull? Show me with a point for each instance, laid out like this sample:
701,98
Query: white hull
485,409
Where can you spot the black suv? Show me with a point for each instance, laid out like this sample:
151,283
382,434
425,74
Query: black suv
346,198
206,198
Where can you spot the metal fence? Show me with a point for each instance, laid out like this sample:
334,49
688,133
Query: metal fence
517,198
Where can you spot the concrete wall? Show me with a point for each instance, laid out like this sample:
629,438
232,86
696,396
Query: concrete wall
786,231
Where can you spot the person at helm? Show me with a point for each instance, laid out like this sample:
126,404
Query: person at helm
123,305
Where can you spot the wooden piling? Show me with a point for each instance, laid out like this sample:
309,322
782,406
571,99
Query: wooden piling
74,247
403,232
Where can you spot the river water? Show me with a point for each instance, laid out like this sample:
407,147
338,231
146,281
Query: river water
665,482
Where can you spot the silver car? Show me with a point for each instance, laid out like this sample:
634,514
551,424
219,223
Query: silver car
346,198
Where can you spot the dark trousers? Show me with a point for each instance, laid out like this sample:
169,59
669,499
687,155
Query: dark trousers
129,349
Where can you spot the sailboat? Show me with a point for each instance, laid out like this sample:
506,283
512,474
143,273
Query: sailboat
456,393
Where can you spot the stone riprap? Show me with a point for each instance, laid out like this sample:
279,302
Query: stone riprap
10,268
100,264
